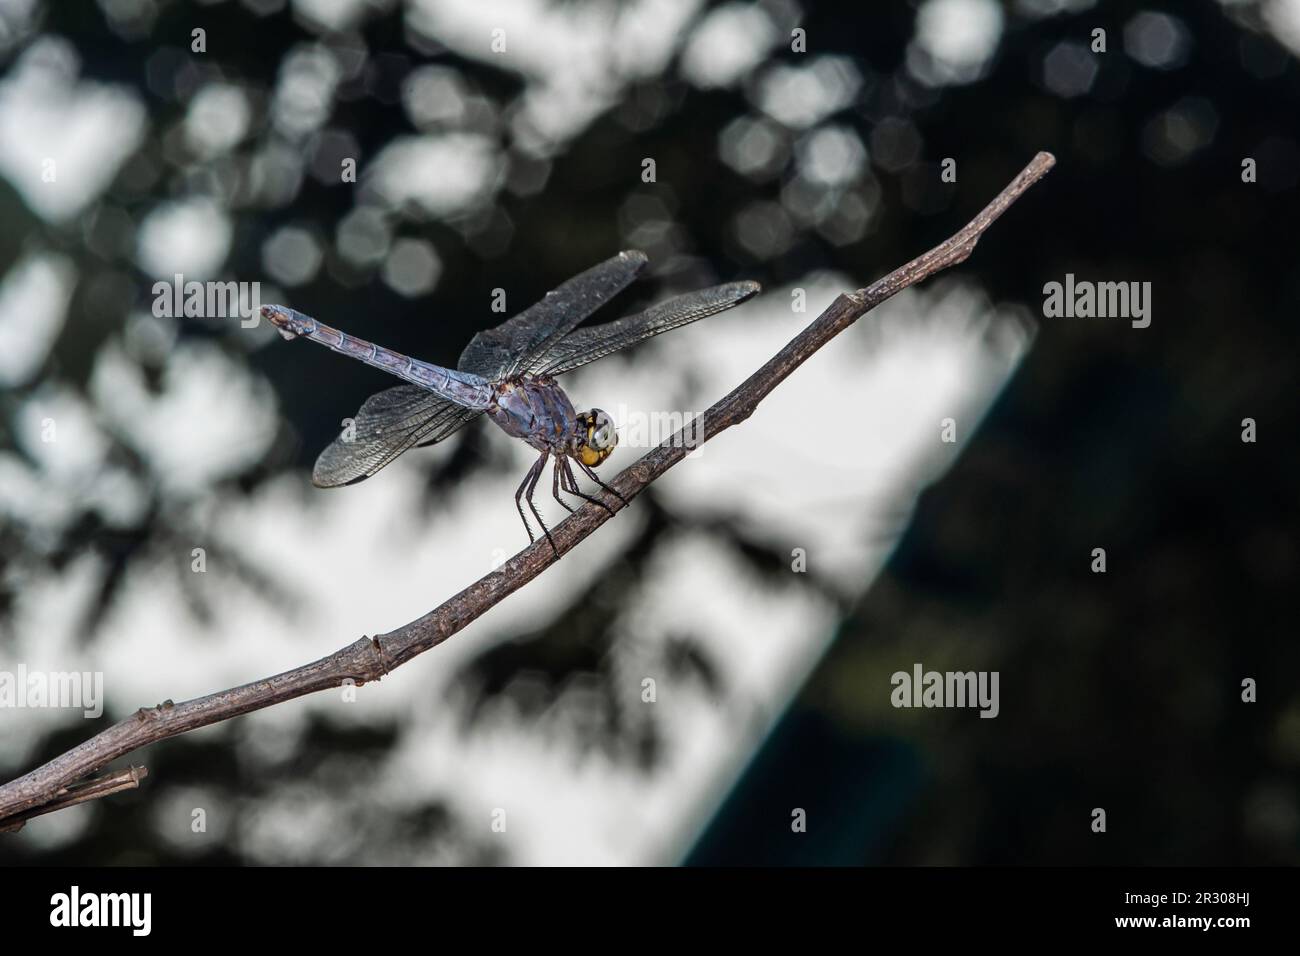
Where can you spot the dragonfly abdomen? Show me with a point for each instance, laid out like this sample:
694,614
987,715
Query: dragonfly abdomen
463,388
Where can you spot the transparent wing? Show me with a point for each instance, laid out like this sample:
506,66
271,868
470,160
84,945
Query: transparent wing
389,423
513,345
587,345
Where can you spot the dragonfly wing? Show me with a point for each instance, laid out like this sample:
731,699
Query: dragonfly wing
514,345
448,425
586,345
389,423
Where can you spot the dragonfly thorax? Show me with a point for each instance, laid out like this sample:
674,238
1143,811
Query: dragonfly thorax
535,409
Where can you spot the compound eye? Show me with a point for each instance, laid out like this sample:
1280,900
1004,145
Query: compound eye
603,436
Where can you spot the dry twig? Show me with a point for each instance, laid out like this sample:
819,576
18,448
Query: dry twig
55,784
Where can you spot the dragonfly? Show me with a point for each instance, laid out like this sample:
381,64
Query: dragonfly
508,373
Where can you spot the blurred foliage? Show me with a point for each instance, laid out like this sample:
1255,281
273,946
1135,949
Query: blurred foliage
1127,683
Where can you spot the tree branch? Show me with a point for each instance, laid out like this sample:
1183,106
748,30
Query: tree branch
52,785
79,792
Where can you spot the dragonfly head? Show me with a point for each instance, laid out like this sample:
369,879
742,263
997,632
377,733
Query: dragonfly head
290,324
596,437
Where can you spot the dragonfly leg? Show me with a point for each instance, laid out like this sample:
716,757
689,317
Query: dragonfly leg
519,493
535,473
555,484
596,478
571,484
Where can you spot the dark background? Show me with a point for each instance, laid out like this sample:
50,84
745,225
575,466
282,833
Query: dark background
1108,436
